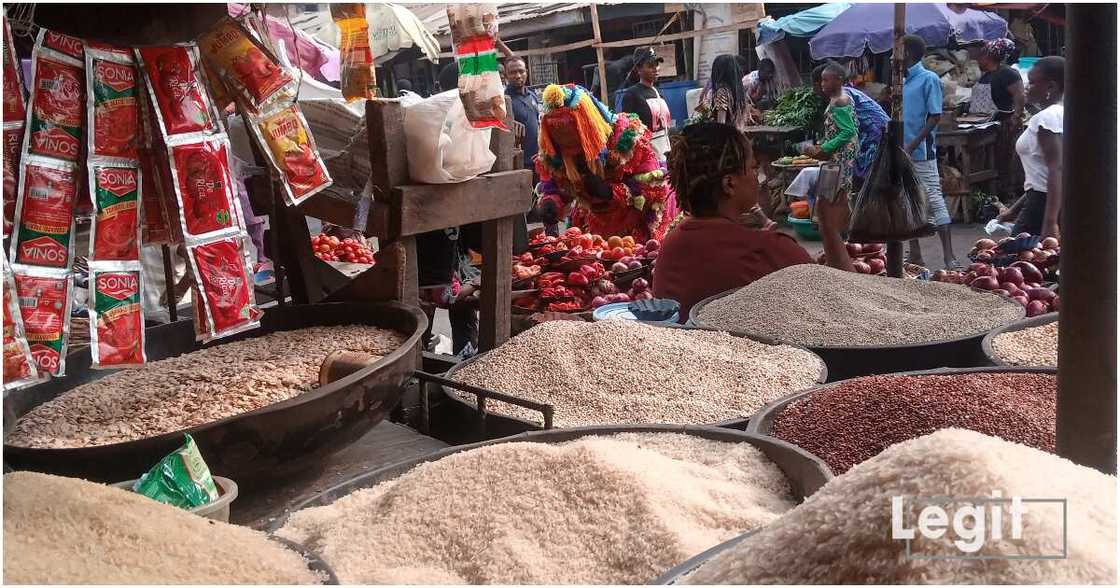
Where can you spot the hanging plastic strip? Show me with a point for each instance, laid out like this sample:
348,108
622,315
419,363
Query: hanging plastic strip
19,365
45,297
13,144
15,98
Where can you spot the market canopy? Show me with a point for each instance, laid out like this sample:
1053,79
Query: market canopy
866,27
801,24
393,27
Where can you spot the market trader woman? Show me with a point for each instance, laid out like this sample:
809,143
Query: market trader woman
716,180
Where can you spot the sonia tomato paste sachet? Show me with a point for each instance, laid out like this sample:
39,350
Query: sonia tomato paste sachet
57,107
44,302
113,113
116,222
116,319
44,221
291,150
221,270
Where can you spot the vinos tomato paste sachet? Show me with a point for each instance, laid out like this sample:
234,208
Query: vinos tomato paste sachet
44,302
15,105
116,318
19,365
44,214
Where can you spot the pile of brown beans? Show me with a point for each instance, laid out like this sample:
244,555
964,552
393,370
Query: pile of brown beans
856,419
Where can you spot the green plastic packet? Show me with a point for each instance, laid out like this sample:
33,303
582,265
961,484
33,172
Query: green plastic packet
180,479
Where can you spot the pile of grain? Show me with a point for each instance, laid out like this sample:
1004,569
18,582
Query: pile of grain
601,510
842,534
193,389
815,305
854,421
1036,346
619,371
69,531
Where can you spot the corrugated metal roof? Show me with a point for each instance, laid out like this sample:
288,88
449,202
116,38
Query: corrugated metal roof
434,16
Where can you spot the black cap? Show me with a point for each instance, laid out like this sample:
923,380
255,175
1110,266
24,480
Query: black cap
643,55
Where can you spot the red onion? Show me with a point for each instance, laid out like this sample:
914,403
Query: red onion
1035,308
1042,294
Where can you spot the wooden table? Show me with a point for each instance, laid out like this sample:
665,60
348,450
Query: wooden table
973,152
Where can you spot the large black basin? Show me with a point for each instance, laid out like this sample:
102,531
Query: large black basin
267,442
867,360
490,425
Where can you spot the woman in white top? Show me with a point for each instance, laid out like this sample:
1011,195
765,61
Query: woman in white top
1040,150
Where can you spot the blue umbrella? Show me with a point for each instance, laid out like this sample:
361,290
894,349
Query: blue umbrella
871,27
800,24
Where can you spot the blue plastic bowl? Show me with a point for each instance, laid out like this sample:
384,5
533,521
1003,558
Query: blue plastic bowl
804,228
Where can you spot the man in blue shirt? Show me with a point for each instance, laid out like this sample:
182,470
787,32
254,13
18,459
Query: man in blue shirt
526,111
921,111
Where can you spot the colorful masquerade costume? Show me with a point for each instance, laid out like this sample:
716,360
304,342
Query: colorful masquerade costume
600,169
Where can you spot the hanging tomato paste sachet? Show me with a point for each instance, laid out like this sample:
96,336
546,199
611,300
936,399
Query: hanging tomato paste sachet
115,235
57,106
116,319
62,43
244,63
19,365
44,217
15,97
44,298
13,145
204,187
291,150
113,111
221,270
174,81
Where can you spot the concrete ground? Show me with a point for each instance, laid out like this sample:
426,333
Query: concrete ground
964,236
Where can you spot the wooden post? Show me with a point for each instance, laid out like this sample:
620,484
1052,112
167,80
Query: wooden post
169,282
1086,431
497,248
603,94
898,66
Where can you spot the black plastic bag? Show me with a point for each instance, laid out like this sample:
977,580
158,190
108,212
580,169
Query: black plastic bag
892,205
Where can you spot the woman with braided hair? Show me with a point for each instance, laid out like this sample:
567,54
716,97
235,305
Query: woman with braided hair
599,169
715,177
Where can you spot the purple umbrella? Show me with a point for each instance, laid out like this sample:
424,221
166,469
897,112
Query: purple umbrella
871,26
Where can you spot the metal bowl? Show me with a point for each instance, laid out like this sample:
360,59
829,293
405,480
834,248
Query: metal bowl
865,360
268,442
489,425
806,473
1028,323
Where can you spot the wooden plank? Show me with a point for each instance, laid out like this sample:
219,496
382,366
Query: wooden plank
427,207
387,152
678,36
599,57
393,278
503,143
341,212
497,283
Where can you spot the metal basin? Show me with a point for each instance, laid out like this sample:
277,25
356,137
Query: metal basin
867,360
1034,321
805,472
489,425
268,442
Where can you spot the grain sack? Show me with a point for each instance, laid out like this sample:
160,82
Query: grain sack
619,371
614,509
194,388
842,534
815,305
69,531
